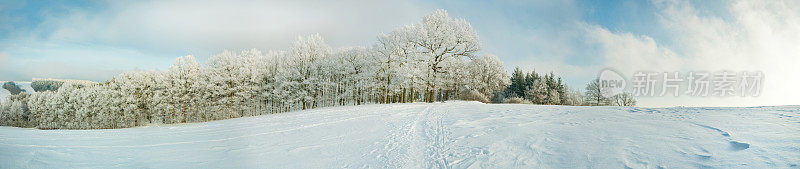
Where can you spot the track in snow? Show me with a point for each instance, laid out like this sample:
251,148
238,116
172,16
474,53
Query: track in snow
437,135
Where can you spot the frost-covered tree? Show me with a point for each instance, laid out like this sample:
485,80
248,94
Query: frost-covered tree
554,90
354,69
302,75
538,92
14,110
393,50
573,97
185,83
456,78
442,41
76,106
488,75
233,82
594,94
265,77
141,91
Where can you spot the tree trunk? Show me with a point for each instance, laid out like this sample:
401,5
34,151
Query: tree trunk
412,95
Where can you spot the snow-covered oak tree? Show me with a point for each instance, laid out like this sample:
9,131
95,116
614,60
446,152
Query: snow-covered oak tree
488,75
442,41
303,73
395,56
354,69
184,80
594,94
140,91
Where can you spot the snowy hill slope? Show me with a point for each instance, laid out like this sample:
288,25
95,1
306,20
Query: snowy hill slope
438,135
26,86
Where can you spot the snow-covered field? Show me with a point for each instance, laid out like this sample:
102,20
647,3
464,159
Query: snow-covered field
3,94
438,135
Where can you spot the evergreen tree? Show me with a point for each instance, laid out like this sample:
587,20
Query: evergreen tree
518,84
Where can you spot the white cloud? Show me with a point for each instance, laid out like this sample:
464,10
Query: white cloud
760,36
96,43
3,59
221,25
629,53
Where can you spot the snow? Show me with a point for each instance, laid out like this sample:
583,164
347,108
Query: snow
432,135
25,86
3,94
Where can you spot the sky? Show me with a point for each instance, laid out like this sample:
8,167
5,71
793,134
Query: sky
96,40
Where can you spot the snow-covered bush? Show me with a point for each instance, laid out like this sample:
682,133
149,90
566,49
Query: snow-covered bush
623,99
516,100
474,95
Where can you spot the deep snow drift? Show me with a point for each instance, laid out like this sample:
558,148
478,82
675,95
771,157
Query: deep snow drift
437,135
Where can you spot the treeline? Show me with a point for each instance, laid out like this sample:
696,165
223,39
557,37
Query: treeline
535,88
433,60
